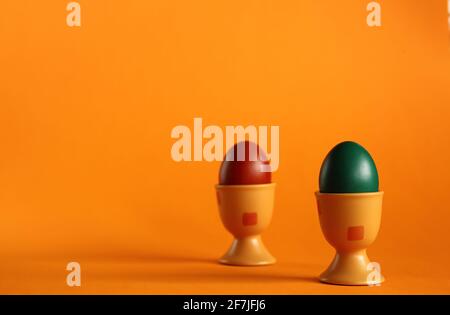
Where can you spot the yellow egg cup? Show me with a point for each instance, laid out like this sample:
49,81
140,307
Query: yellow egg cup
350,223
246,211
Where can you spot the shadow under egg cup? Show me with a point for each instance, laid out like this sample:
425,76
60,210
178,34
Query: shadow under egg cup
350,223
246,211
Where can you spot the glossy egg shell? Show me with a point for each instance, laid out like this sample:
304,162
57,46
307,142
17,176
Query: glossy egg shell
348,168
247,171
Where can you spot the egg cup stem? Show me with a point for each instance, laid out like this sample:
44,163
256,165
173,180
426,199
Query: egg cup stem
248,251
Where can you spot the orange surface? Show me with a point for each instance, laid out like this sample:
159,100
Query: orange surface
85,120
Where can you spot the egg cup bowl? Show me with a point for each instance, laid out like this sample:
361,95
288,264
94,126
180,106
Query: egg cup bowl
246,211
350,223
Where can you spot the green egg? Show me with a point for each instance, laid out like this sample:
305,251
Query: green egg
348,168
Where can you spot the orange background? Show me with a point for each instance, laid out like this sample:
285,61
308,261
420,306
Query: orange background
86,115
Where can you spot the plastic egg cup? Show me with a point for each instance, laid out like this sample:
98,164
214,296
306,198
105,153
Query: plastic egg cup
350,223
246,211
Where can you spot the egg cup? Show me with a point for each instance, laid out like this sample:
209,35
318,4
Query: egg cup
350,223
246,211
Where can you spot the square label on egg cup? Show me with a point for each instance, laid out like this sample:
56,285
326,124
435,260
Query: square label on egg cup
246,211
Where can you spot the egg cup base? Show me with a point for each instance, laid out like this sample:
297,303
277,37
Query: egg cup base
248,251
351,269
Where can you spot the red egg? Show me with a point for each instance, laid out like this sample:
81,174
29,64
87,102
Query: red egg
245,167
